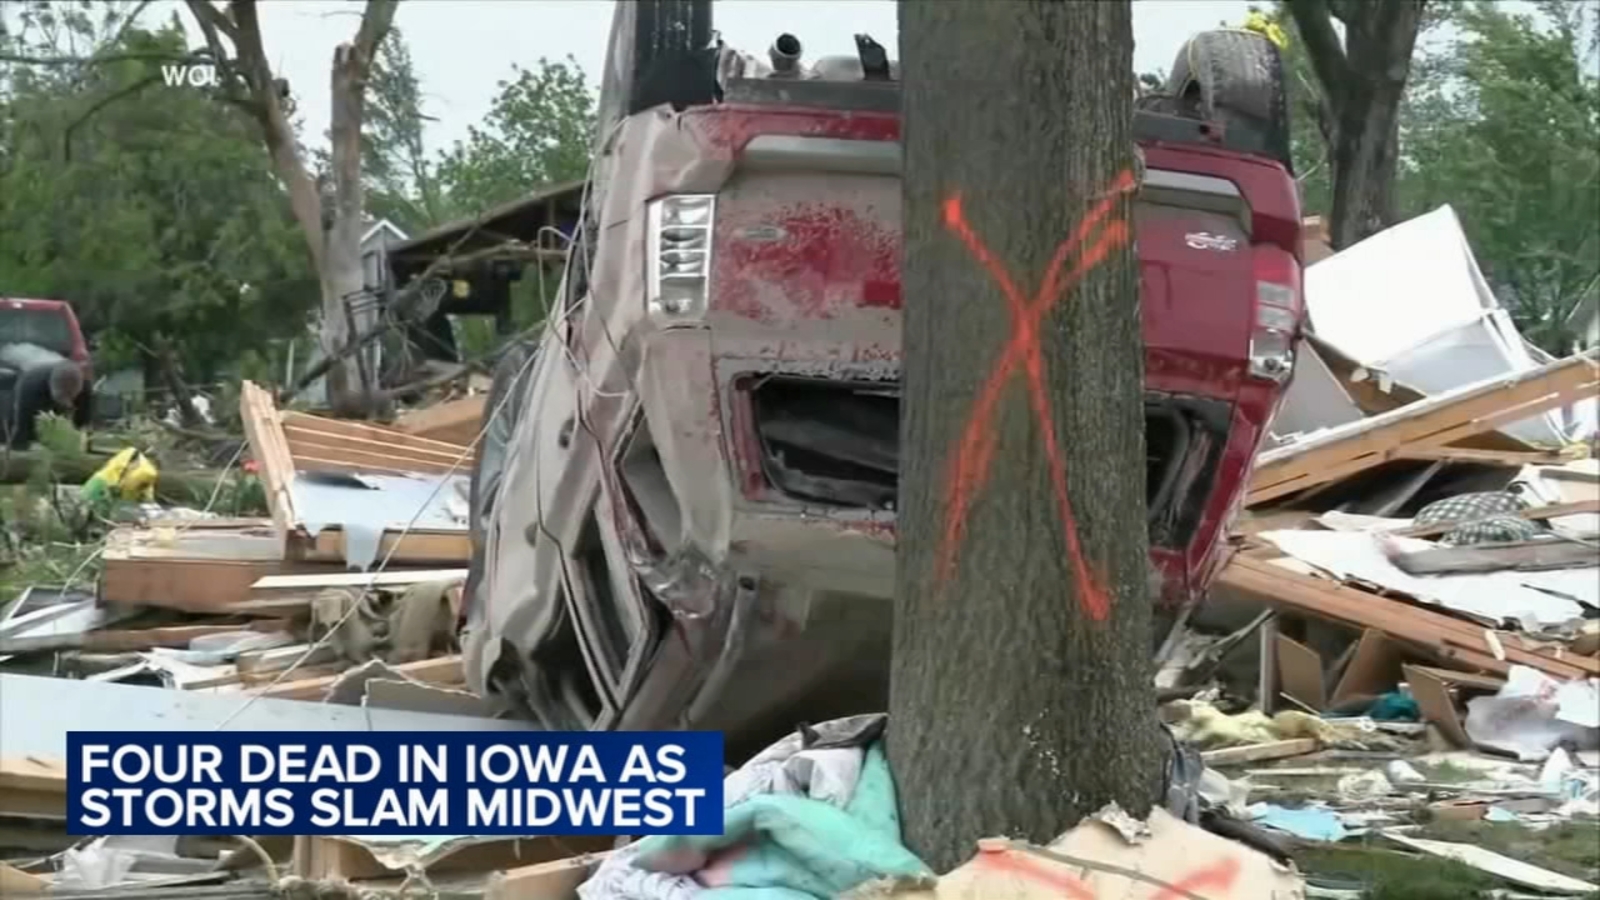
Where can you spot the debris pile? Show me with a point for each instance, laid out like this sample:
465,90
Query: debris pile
1403,648
337,611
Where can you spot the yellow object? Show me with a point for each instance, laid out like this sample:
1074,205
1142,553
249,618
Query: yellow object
130,474
1258,22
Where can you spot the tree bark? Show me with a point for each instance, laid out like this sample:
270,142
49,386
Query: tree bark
1363,82
336,248
1021,690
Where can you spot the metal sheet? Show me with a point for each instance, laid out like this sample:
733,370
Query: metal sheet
366,506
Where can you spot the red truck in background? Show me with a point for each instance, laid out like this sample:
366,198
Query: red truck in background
35,332
684,512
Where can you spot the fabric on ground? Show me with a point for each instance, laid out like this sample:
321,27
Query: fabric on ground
811,816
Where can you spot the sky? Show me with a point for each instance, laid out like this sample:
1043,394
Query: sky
462,48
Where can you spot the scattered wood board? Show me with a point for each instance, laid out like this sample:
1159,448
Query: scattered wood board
396,578
270,449
1376,392
285,443
1433,422
1521,556
1503,867
1451,640
555,880
454,421
445,670
334,445
348,859
33,788
1233,756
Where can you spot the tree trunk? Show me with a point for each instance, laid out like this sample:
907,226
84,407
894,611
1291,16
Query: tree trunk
343,281
1363,83
1021,693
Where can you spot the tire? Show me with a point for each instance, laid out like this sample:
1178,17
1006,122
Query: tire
512,374
1235,77
660,53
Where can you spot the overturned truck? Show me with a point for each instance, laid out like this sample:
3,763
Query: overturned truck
684,515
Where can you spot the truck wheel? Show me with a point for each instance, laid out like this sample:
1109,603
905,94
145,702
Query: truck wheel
511,376
1235,77
660,53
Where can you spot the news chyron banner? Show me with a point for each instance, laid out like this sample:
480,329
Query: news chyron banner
371,783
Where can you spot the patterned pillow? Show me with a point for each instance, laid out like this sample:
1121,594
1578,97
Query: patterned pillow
1485,517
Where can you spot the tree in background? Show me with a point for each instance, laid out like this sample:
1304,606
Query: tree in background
151,209
1501,120
1508,134
537,133
402,181
331,229
1021,696
1361,82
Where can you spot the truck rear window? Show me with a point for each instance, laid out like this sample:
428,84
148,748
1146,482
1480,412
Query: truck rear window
44,327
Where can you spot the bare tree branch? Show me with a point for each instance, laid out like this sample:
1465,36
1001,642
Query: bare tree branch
97,106
104,59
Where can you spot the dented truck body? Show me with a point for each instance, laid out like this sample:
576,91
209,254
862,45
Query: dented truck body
694,526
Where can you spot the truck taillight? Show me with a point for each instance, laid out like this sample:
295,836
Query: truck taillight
679,255
1278,315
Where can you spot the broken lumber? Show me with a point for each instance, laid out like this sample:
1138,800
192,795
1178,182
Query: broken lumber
1436,421
1454,640
554,880
1522,556
453,421
393,578
444,670
1232,756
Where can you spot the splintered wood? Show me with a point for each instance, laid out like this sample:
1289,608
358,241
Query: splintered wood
1449,638
287,443
1422,429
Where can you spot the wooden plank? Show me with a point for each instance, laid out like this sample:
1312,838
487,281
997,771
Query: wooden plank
192,585
1464,679
445,670
1377,393
1469,454
1232,756
387,578
1433,422
555,880
1300,673
345,859
177,636
1537,514
270,449
315,453
33,788
414,548
1522,556
1455,640
361,432
455,421
16,883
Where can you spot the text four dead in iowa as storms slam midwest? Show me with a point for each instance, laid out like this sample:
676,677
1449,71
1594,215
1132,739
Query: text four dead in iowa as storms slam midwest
638,796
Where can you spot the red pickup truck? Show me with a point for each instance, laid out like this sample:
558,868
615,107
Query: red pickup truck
50,324
687,516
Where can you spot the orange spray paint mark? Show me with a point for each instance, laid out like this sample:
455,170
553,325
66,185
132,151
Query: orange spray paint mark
975,452
1019,864
1219,876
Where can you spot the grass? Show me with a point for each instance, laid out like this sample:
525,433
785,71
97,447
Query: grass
1447,772
1387,873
